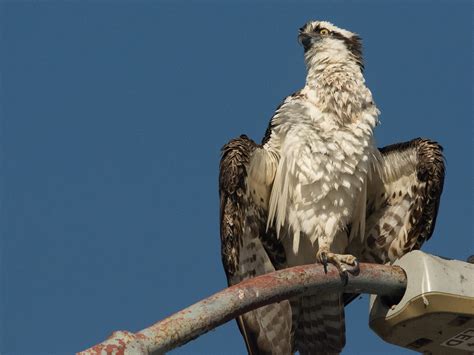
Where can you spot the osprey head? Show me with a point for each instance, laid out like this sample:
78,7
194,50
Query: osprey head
324,38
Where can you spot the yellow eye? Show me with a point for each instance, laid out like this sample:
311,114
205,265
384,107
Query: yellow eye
323,32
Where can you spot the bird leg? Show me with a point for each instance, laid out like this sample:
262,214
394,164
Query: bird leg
345,263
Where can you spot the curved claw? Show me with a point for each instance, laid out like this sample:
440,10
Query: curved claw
324,261
354,269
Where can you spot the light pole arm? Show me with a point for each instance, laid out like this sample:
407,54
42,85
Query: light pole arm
231,302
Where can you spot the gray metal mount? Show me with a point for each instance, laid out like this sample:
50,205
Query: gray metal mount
436,313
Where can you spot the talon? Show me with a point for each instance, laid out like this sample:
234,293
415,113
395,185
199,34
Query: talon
343,273
354,269
324,261
345,263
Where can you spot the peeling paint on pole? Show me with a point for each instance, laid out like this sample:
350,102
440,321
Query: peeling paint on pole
120,343
231,302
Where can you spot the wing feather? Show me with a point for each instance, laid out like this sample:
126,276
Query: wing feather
248,249
402,202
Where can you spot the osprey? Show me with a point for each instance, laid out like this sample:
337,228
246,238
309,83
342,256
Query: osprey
318,190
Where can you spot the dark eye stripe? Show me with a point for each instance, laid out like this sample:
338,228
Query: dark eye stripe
354,45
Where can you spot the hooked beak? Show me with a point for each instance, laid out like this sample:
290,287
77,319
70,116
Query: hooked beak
306,40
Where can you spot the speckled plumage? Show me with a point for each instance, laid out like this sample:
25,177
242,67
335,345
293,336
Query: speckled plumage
322,138
249,249
402,202
316,183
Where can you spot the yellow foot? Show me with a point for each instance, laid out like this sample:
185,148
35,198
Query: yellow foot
345,263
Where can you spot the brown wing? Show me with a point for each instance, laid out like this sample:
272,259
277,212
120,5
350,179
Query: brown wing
248,250
402,202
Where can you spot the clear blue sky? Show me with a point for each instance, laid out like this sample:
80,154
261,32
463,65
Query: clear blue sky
112,119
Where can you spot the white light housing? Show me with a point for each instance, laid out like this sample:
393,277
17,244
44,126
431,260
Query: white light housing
436,313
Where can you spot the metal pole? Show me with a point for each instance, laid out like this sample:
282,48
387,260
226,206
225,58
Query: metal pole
231,302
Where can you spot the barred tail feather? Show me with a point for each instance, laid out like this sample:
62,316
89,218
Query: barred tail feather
319,325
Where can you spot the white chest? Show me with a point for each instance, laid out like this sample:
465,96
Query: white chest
322,172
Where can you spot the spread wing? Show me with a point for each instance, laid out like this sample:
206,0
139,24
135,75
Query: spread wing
402,202
403,199
249,249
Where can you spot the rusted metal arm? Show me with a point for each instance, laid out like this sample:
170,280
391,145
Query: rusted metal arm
231,302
